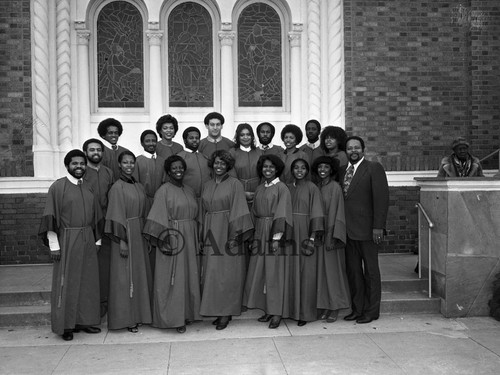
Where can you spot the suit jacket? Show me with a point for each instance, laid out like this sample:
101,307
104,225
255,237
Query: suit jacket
367,200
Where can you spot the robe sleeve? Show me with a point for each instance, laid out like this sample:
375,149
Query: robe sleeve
116,219
240,220
50,217
283,219
335,227
158,217
316,210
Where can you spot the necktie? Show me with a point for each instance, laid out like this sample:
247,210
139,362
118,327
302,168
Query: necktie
265,147
114,147
348,178
79,182
153,157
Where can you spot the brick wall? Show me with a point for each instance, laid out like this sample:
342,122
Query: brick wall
19,221
418,74
16,129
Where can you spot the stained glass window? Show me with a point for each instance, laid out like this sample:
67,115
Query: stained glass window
120,54
190,56
259,57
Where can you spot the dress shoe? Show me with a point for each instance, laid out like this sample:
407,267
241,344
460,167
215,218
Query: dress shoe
365,319
87,329
332,317
223,322
352,316
189,322
181,329
67,336
275,322
216,321
265,318
133,329
301,323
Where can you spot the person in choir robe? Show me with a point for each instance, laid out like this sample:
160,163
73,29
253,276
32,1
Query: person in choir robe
246,156
332,142
302,254
110,130
130,270
100,179
71,227
197,171
272,210
312,147
172,228
265,133
167,127
333,288
291,135
214,141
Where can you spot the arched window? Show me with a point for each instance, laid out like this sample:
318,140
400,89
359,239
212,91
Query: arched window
190,56
120,56
260,64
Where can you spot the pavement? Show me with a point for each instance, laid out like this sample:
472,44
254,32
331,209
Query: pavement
394,344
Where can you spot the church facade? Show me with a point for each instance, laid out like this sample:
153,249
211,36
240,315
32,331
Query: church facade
407,76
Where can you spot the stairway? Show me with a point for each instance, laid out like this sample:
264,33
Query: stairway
25,291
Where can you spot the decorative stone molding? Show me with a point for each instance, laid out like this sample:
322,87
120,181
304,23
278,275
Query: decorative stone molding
335,64
314,58
154,37
226,38
83,36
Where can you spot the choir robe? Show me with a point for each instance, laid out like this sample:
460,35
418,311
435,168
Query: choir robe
333,288
341,158
301,269
165,151
311,154
100,181
197,171
274,150
265,283
130,278
245,168
172,225
288,158
150,173
73,213
110,159
207,148
226,216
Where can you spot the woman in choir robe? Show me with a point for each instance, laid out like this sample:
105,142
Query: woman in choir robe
227,223
333,289
172,227
332,142
246,156
272,210
130,282
167,127
301,267
291,135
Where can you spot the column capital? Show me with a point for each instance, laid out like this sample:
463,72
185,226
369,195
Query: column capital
294,38
226,37
83,36
154,37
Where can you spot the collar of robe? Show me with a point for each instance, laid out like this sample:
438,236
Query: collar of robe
127,179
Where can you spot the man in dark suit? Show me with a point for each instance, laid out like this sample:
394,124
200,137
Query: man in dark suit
366,196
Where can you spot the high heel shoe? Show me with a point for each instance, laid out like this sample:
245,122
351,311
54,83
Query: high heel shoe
324,314
301,323
133,329
332,317
223,322
275,322
265,318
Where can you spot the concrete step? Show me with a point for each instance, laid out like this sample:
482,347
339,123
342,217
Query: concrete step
16,316
25,298
414,302
405,285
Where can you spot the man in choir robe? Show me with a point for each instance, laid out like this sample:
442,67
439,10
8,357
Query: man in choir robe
110,131
197,171
312,147
265,132
100,179
214,141
71,227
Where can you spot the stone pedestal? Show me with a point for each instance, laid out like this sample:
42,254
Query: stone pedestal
465,246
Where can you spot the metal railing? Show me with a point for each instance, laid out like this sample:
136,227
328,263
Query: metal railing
491,154
421,212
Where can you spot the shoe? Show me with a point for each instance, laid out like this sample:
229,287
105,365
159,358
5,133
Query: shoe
301,323
332,317
275,322
67,336
87,329
365,319
324,314
223,322
352,316
189,322
216,321
265,318
133,329
181,329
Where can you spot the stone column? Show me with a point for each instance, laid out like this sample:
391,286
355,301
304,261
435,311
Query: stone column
314,58
83,37
226,38
155,76
295,76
